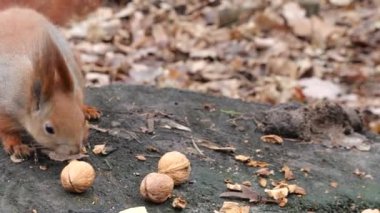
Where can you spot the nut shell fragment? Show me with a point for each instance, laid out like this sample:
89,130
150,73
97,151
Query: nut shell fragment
176,165
179,203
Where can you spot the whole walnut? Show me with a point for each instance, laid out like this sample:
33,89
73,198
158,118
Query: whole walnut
176,165
77,176
156,187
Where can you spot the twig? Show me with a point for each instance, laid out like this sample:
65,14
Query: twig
192,139
196,146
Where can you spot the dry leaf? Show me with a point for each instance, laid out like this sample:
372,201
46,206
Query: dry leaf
254,163
288,173
170,124
247,183
277,193
295,189
375,126
263,182
282,202
334,184
305,169
140,209
265,172
140,157
371,211
275,139
228,181
340,2
359,173
213,146
43,167
103,149
246,193
98,149
242,158
179,203
233,207
233,187
319,89
296,18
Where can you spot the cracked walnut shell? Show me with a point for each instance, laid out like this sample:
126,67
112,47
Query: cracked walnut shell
176,165
77,176
156,187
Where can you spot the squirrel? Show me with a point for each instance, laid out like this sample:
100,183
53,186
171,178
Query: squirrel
41,85
59,12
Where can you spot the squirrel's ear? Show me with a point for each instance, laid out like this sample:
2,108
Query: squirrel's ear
49,61
62,69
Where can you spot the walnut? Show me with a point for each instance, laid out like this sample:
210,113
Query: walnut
156,187
77,176
176,165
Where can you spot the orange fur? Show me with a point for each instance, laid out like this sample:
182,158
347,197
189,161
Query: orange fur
40,85
10,139
58,11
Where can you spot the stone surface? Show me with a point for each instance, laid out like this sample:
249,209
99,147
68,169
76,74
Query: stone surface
24,186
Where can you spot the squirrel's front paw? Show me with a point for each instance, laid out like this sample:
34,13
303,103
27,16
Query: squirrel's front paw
91,112
12,145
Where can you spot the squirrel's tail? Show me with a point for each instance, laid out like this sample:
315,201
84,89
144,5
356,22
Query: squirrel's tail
59,12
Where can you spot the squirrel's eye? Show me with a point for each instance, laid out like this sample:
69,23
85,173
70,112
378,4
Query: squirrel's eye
49,129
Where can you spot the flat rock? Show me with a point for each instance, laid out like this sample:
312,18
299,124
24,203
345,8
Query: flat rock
127,111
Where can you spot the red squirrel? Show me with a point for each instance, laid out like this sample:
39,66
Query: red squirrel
57,11
41,86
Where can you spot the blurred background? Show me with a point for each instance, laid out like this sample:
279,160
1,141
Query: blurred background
268,51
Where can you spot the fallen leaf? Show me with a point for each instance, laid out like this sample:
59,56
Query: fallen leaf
305,169
246,193
371,211
334,184
295,189
247,183
234,187
254,163
359,173
233,207
98,149
288,173
140,157
228,181
340,2
150,124
43,167
140,209
296,18
152,149
275,139
103,149
277,193
319,89
375,126
213,146
209,107
282,202
265,172
170,124
263,182
242,158
179,203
